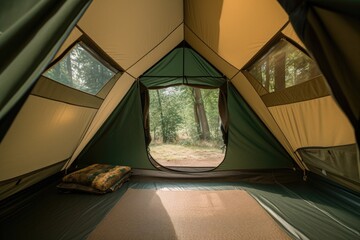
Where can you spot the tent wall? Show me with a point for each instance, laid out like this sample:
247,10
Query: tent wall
340,163
117,93
304,123
30,37
258,106
251,145
12,186
45,132
322,27
120,140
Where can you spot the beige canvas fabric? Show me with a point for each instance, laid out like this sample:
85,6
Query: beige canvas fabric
50,89
318,122
13,186
74,35
290,33
207,215
114,97
127,30
35,141
236,30
158,52
212,56
314,88
255,102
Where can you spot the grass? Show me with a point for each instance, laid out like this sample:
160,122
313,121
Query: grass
172,155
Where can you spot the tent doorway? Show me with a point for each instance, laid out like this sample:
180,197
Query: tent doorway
185,127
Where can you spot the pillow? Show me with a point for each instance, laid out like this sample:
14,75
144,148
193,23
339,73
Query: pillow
97,178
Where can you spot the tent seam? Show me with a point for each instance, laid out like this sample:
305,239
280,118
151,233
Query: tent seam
210,48
154,47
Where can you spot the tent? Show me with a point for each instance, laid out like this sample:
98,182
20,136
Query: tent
306,129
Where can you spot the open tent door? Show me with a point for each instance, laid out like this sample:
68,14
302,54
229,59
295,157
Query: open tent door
187,105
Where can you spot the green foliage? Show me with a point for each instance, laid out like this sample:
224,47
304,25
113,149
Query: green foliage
164,114
284,65
172,119
80,70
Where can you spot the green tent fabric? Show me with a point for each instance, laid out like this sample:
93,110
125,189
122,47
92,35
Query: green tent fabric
322,25
30,36
182,65
121,138
251,145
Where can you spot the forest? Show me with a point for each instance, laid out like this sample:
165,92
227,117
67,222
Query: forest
185,115
81,69
185,127
283,66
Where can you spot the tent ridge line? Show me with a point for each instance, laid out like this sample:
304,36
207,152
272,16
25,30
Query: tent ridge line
74,89
271,42
277,35
104,57
167,36
324,147
210,48
310,99
62,101
135,78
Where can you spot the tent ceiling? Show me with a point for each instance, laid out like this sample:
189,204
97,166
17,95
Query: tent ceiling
128,31
231,28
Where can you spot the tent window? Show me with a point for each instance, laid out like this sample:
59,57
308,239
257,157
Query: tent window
80,69
283,66
185,127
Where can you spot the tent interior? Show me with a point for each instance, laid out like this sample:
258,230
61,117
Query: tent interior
75,78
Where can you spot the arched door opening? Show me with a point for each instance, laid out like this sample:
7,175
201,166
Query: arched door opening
185,127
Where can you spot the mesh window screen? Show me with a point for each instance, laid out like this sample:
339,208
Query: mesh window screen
79,69
283,66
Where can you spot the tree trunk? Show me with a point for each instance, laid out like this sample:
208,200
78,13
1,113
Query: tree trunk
163,131
197,122
280,72
267,75
201,114
69,70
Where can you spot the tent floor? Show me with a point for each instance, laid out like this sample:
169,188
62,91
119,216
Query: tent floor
308,210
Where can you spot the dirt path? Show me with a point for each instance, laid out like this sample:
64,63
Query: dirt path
176,155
